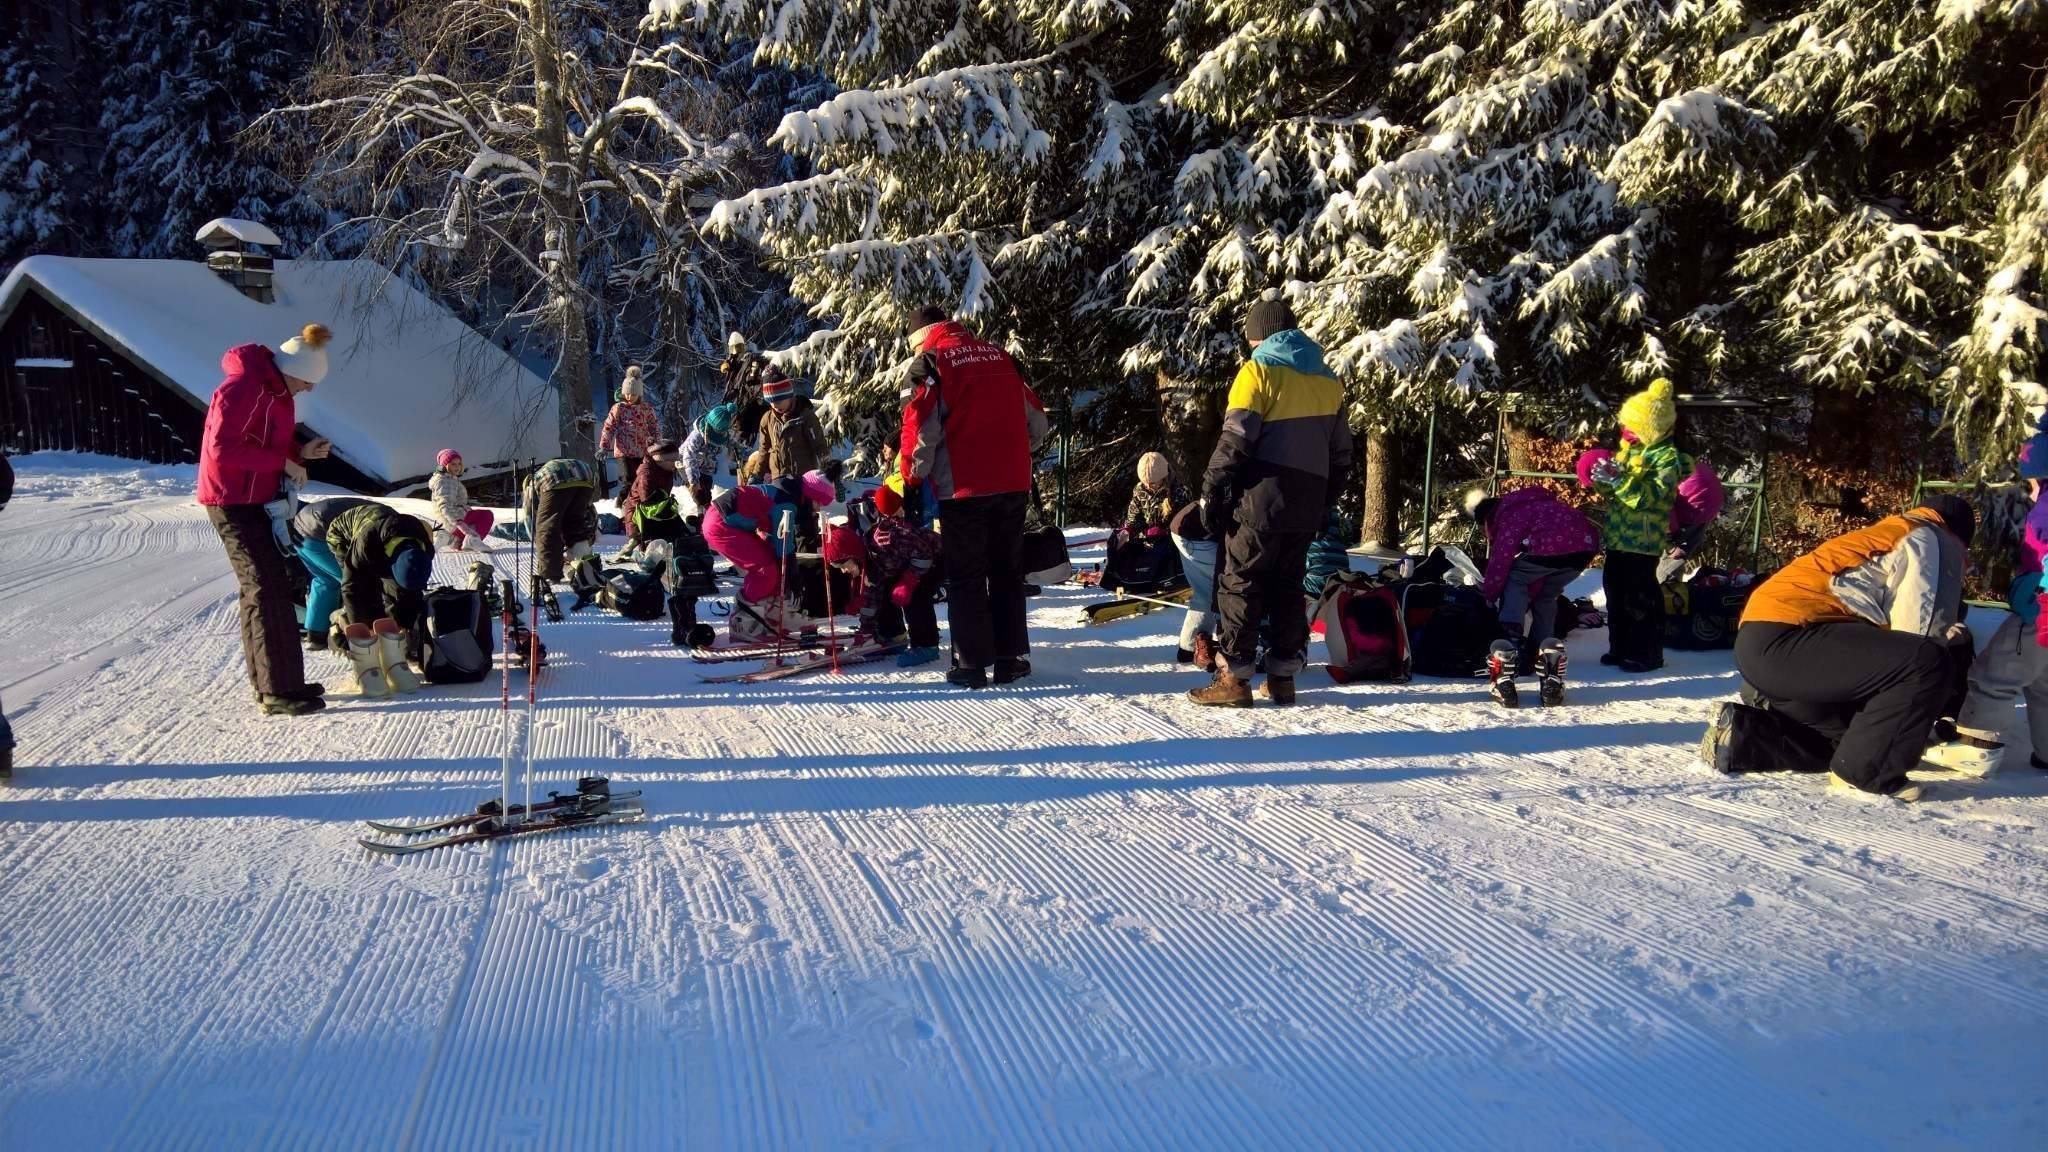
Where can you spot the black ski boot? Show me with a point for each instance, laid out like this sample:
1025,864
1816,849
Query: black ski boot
1550,664
682,619
544,595
1500,670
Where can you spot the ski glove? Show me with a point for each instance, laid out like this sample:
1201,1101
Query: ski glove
905,589
913,501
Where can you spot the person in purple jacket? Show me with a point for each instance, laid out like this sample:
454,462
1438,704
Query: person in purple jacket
1536,545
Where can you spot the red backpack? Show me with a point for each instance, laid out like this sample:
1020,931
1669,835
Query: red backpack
1363,627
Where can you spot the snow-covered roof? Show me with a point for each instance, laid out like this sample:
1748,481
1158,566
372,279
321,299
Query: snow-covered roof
217,232
406,378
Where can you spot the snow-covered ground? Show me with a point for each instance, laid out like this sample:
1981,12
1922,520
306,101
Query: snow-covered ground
872,911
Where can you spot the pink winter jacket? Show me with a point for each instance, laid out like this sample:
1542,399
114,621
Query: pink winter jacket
629,429
1533,522
249,431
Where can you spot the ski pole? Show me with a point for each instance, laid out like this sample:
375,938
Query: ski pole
831,616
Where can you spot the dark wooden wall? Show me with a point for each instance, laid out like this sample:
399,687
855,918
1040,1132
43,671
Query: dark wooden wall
102,403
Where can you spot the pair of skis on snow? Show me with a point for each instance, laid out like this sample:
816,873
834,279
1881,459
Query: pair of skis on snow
593,802
855,654
1501,661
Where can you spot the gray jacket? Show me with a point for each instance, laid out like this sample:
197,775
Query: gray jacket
1916,587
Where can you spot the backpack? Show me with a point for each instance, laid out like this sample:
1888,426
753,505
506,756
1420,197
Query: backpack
1363,628
658,519
1142,565
1701,611
1450,627
1045,556
634,594
457,646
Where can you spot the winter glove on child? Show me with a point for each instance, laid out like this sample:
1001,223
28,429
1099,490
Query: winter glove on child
1154,532
906,587
1606,472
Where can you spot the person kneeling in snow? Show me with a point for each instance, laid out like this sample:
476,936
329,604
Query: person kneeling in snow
1847,650
1198,550
2016,659
460,522
1536,545
895,563
756,526
386,560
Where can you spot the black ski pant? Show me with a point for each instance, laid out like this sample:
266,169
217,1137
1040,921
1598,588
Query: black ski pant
1261,580
981,543
1871,692
270,629
1635,608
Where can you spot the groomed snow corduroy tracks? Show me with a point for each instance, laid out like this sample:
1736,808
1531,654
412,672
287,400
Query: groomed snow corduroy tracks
870,911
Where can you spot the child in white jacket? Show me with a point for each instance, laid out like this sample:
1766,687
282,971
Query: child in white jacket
452,512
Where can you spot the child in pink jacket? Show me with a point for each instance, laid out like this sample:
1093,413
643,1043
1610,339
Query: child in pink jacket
1536,545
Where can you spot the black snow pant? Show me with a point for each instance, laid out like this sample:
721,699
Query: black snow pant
1260,579
562,519
1635,608
1871,692
270,629
920,618
981,543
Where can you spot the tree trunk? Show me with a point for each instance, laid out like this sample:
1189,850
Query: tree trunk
575,401
1194,418
1381,522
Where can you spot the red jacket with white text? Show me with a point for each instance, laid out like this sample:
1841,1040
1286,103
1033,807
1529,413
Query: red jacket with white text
972,422
250,427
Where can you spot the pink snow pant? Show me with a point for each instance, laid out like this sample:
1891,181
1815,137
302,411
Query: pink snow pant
748,552
475,526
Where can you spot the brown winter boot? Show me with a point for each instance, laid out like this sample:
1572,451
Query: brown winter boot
1225,691
1278,689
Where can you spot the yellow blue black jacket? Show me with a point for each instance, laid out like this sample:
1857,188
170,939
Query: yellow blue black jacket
1285,444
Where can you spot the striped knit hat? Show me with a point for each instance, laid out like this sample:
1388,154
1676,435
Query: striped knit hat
776,386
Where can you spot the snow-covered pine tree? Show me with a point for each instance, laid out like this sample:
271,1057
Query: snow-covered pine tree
183,80
34,212
979,156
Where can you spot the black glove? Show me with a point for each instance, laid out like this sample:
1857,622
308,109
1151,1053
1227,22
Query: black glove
913,501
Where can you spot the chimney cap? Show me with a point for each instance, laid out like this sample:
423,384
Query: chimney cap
226,231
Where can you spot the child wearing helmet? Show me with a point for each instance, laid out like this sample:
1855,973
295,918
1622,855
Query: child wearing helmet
455,521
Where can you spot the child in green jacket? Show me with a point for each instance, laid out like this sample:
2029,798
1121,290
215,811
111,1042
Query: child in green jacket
1637,486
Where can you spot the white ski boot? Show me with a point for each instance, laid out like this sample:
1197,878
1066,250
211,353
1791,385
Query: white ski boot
391,656
363,649
755,621
1969,754
1500,669
1550,664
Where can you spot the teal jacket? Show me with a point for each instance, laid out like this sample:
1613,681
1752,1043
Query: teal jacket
1639,498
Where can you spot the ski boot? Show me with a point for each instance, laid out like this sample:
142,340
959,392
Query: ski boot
1550,665
369,668
544,595
1500,670
391,656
